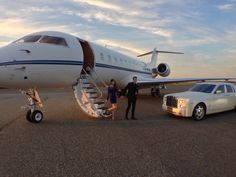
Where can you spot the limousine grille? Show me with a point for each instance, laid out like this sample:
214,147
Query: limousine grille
172,101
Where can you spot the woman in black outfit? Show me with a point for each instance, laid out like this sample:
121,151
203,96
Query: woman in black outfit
112,96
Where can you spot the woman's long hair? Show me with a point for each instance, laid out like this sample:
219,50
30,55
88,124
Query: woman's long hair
114,85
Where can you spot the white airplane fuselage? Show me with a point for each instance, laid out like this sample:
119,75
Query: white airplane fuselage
46,65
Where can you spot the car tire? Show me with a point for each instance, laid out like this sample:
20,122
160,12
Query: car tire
199,112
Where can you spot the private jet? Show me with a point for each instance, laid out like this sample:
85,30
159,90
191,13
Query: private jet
51,59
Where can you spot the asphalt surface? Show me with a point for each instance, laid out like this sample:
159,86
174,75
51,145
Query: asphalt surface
69,144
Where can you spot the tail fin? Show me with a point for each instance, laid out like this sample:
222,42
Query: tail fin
154,53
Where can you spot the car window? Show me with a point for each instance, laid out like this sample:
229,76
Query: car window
229,89
220,89
206,88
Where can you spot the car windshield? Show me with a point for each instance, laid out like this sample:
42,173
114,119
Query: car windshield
206,88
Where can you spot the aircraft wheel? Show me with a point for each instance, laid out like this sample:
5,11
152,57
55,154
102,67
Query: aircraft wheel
28,116
37,116
199,112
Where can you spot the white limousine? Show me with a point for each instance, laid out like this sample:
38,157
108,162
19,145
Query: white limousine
202,99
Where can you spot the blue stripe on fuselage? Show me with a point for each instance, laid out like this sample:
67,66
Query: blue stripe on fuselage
67,62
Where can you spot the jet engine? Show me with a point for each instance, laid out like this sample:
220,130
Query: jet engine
162,69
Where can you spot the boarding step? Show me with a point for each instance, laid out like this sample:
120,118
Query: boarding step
99,102
86,86
90,90
94,95
83,76
84,81
99,106
103,108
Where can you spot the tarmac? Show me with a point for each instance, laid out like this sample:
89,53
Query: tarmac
69,144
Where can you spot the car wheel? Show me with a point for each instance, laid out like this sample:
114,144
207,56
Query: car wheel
199,112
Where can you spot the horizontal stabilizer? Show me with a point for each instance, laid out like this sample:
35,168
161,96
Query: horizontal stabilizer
159,51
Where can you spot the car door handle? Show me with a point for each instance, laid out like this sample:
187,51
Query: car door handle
26,50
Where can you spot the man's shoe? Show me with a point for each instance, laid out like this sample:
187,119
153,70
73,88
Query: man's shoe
134,118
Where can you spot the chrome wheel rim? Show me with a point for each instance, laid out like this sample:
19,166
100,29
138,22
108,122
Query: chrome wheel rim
199,112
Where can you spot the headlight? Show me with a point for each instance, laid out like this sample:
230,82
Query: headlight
182,102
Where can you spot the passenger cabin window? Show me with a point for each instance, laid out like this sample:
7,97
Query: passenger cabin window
31,38
109,57
101,56
220,89
54,40
229,89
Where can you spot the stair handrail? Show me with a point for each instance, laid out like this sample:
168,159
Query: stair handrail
94,83
87,98
102,81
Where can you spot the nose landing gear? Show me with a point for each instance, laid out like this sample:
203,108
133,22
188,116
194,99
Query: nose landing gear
34,115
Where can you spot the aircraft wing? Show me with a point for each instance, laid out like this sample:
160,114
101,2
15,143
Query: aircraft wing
146,82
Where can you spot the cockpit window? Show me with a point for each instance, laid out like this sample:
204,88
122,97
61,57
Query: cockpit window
30,38
54,40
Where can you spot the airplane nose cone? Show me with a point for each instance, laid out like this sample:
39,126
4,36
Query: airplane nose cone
5,53
4,71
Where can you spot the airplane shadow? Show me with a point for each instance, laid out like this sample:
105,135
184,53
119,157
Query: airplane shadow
168,120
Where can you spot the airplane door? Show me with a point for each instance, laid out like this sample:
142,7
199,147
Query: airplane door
88,56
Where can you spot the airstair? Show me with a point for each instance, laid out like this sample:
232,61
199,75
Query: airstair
89,96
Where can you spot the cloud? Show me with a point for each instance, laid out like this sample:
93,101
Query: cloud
226,7
100,3
126,15
8,27
123,46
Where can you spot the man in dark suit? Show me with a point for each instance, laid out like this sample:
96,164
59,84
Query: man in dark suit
132,89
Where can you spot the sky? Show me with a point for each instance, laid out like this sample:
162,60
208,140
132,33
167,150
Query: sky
204,30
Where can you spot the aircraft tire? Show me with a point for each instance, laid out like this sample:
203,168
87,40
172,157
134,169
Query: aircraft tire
28,116
37,116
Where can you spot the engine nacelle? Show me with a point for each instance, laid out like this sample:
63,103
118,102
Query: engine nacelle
162,69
